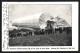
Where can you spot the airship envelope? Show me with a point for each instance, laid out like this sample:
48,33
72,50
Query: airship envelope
32,21
61,22
39,21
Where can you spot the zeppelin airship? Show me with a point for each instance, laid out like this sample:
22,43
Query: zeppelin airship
39,21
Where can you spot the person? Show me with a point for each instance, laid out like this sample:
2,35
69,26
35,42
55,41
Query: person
48,28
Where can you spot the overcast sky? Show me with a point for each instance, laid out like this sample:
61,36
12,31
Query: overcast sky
18,11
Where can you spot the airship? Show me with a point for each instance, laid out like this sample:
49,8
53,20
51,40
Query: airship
39,21
33,21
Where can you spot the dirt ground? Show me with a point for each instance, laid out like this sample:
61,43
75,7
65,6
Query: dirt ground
42,40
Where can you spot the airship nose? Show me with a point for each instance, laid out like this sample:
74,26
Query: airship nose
15,21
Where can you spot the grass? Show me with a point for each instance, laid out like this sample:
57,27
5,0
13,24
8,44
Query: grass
42,40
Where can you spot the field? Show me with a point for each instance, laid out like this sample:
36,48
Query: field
57,39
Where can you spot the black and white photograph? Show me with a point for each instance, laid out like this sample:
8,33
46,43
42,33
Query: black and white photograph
39,25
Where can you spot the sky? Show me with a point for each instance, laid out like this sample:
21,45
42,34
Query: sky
21,10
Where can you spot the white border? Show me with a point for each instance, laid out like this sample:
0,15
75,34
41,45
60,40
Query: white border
74,46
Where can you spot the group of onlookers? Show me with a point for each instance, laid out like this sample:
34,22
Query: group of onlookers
60,30
68,30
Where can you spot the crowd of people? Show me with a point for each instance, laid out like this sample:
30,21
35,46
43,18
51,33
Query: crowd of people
15,33
68,30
